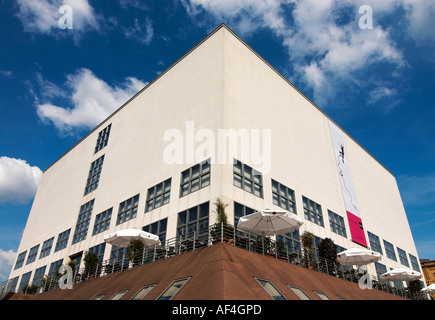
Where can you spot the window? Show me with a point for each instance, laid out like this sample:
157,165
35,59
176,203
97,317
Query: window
103,138
389,250
292,240
143,292
195,178
46,248
375,244
118,295
313,211
270,289
99,251
299,292
402,257
380,269
240,211
53,268
193,221
336,223
158,228
62,240
20,260
25,280
172,290
32,254
322,295
414,263
99,297
102,221
94,175
39,274
128,209
248,179
283,197
82,225
158,195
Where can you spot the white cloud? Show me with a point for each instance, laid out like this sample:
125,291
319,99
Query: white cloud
7,258
323,38
92,101
43,16
142,33
18,180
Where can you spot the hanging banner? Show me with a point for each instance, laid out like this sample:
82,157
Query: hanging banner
353,216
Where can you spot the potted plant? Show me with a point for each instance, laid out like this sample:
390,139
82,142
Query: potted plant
328,255
134,252
307,239
92,265
221,223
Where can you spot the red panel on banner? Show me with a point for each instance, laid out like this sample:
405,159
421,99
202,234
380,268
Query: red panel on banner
356,229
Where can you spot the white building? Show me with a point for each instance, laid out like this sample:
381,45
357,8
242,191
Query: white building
143,166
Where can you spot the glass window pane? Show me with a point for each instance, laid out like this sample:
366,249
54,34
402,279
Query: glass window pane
143,292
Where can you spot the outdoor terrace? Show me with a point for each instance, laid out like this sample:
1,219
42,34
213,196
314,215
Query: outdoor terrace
206,237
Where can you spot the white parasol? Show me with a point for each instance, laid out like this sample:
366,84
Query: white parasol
400,274
269,222
121,238
357,256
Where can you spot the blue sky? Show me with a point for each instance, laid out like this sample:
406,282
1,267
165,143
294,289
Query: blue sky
57,83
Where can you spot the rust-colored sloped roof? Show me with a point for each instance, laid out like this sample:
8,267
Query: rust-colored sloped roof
219,272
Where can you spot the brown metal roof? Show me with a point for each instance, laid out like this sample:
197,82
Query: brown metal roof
219,272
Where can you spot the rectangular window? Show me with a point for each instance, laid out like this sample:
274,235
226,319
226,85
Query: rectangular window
403,257
380,269
46,248
103,138
336,223
20,260
102,221
62,240
299,292
128,209
248,179
158,195
414,263
270,289
53,268
240,211
82,224
195,178
143,292
283,196
172,290
322,295
313,211
94,175
32,254
193,222
25,280
39,274
99,251
389,250
158,228
375,243
118,295
291,240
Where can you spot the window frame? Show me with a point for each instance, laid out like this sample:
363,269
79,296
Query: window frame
152,195
125,207
247,178
288,197
200,172
83,219
103,138
273,286
94,175
185,279
293,288
313,216
336,222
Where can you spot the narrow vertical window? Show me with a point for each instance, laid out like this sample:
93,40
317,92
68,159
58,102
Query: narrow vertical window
94,175
103,138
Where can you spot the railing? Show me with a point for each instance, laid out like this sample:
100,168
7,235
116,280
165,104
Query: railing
219,233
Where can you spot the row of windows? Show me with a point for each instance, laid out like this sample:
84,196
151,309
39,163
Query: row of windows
251,181
375,245
176,286
193,179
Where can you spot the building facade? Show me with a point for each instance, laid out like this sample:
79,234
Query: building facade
219,123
